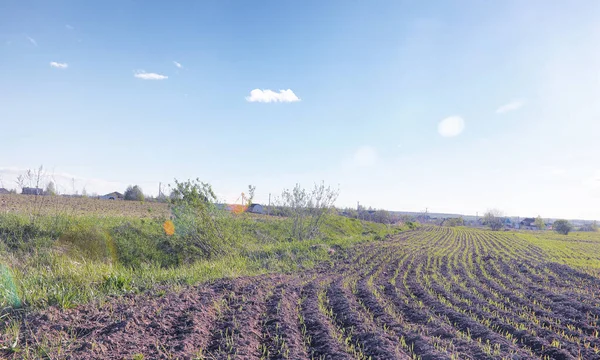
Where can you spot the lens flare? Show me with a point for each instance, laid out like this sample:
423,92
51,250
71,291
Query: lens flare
8,289
169,227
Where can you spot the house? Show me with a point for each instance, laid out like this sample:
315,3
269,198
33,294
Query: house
112,196
32,191
256,209
528,224
3,191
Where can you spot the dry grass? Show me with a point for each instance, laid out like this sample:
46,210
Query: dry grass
51,205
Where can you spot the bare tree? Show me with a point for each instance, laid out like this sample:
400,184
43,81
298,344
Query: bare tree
494,219
308,208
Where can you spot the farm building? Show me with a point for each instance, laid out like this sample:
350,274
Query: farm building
528,224
112,196
32,191
256,209
3,191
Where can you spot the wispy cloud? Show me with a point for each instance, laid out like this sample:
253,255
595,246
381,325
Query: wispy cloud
178,64
451,126
511,106
32,41
58,65
268,96
69,27
141,74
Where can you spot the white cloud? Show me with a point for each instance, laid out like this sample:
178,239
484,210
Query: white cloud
58,65
511,106
267,96
365,156
178,64
69,27
32,40
451,126
141,74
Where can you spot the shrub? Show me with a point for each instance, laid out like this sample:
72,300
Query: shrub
199,225
562,226
88,241
136,246
134,193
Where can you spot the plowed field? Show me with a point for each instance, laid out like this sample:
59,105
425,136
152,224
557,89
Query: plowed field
434,293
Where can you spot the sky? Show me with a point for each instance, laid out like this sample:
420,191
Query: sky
458,106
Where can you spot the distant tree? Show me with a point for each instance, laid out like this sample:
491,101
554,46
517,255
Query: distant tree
593,226
251,190
562,226
382,216
494,219
459,221
50,188
539,223
134,193
351,213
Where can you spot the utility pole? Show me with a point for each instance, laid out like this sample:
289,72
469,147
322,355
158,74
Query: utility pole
269,207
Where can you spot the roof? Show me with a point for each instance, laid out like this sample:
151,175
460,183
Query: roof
528,221
3,191
114,193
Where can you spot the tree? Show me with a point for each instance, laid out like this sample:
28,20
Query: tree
134,193
562,226
459,221
539,223
382,216
50,188
250,198
494,219
308,209
199,226
593,226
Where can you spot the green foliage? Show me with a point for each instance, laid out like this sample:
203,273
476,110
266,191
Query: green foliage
88,241
459,221
72,260
50,189
562,226
493,219
539,223
134,193
199,225
593,227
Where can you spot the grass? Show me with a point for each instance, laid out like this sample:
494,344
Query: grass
64,260
578,249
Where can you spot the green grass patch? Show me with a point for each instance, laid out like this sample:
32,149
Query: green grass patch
64,261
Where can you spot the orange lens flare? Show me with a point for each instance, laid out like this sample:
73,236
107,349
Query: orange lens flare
169,227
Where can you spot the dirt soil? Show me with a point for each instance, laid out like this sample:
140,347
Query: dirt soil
392,299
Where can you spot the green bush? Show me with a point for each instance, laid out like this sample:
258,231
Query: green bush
139,245
88,241
134,193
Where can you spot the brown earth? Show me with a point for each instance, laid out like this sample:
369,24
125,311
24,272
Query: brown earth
435,293
52,205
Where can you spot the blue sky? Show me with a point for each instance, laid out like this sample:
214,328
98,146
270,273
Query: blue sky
454,106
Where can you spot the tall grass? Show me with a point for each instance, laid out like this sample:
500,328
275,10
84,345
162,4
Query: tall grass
66,260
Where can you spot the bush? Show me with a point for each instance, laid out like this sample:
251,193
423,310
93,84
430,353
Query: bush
134,193
88,241
199,225
140,245
562,227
